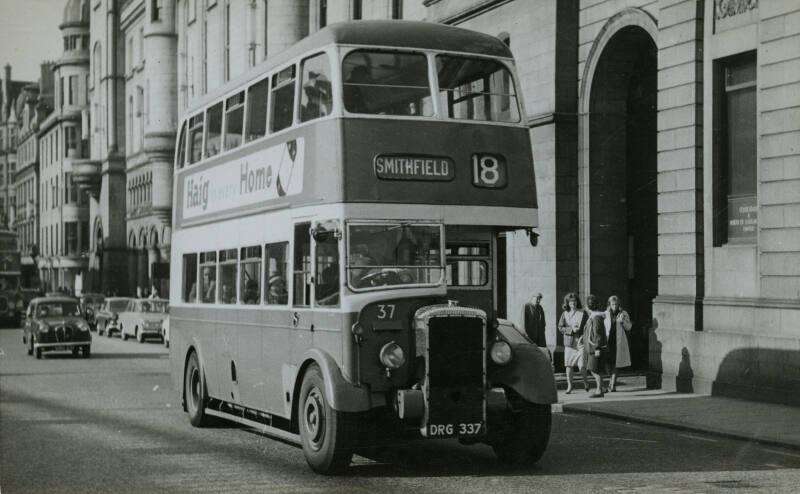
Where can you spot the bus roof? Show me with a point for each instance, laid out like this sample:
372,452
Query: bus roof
379,33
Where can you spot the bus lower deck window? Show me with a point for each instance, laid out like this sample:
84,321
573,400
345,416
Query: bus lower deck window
275,273
250,275
227,276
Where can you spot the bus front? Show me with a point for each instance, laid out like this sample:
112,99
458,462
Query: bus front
437,165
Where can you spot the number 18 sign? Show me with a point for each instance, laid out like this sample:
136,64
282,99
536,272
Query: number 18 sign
489,171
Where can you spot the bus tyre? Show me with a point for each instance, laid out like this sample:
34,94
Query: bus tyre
195,394
327,435
520,437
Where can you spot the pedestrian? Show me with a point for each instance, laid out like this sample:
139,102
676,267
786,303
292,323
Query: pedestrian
617,325
139,293
534,320
153,292
571,325
595,343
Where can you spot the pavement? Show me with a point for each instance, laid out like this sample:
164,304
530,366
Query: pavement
760,422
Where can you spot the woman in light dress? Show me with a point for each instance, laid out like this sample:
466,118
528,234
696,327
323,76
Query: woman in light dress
618,324
571,325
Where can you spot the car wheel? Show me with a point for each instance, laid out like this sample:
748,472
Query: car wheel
122,334
38,352
166,342
86,351
521,436
327,435
195,394
75,351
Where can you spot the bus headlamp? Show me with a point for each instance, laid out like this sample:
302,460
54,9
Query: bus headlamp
392,356
500,353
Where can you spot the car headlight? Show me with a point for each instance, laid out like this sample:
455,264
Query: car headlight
392,356
44,328
500,352
83,326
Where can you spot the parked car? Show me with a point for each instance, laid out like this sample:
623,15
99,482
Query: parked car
107,317
143,318
91,303
56,323
165,331
10,307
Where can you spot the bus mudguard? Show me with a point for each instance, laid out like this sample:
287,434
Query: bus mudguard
343,396
529,374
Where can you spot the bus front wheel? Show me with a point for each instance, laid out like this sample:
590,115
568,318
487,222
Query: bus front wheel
520,436
327,435
195,395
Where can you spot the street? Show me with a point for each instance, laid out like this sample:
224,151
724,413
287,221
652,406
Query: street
113,423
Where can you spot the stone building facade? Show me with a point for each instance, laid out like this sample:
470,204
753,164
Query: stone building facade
63,148
10,92
35,103
665,145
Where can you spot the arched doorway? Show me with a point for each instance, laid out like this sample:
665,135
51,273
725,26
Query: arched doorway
622,178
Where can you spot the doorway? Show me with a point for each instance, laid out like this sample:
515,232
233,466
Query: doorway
623,229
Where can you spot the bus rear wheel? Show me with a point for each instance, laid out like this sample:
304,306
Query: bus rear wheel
327,435
195,394
520,436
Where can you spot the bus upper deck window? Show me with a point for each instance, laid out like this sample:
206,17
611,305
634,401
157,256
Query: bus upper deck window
214,130
386,83
282,99
315,99
257,96
181,154
234,118
476,89
195,138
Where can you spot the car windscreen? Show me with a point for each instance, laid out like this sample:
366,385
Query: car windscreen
154,307
58,309
117,306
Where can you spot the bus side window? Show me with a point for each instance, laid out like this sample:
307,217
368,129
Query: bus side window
257,96
190,278
327,279
250,269
208,279
227,276
302,265
234,118
315,99
282,99
181,154
196,138
214,130
275,273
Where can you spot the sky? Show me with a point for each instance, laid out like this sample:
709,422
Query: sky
29,35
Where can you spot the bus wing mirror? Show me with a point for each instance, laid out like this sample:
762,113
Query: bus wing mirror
533,237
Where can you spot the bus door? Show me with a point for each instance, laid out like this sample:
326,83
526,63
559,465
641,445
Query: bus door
470,266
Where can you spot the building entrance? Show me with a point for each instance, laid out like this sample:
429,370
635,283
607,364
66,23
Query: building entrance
622,181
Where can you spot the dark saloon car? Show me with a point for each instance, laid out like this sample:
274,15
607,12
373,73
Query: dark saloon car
107,316
56,323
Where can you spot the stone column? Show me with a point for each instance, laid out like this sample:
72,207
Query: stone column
288,24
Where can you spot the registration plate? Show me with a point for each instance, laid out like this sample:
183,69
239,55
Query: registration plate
451,430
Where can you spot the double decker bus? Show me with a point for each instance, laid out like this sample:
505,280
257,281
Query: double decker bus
10,274
334,254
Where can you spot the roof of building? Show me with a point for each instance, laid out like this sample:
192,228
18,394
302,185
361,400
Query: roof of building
76,12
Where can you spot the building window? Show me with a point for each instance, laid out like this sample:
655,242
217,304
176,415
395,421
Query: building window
192,11
397,9
130,54
155,10
227,48
70,140
735,197
266,26
357,10
71,238
73,90
323,13
205,56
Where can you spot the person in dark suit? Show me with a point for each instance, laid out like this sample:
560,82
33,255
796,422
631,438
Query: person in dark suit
534,320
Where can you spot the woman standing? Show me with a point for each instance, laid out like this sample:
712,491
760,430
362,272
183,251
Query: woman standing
618,324
571,326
